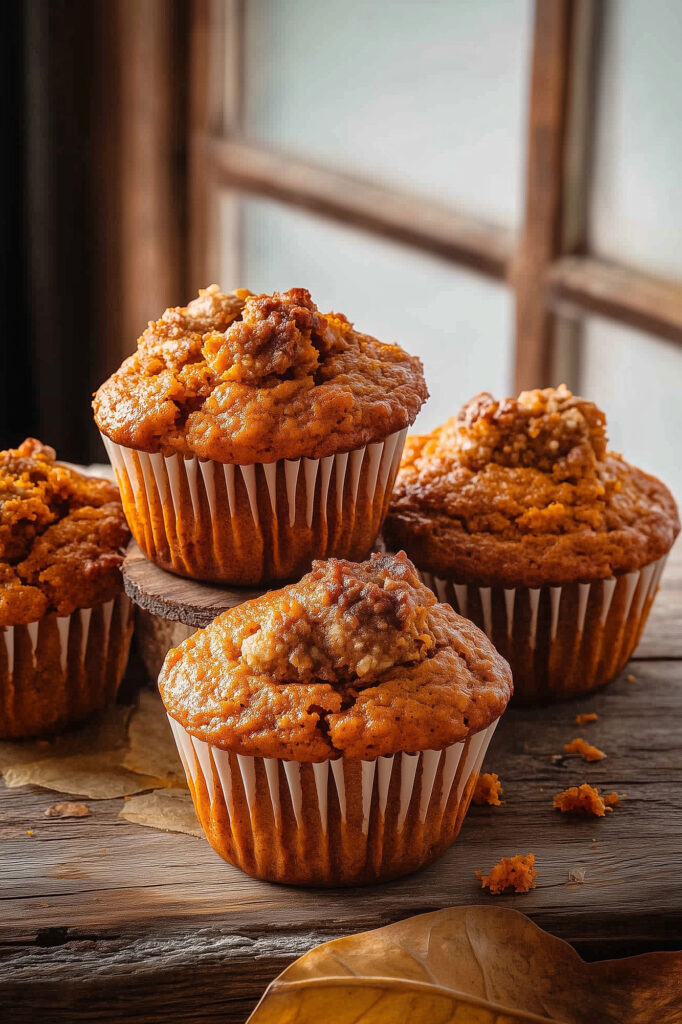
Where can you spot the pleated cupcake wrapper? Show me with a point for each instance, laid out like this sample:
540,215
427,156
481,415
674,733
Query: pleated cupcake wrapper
164,475
224,774
636,589
65,625
56,671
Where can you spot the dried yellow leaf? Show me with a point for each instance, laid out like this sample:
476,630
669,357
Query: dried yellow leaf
169,809
469,965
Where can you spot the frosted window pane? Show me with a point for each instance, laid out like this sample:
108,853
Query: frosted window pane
637,380
459,324
636,207
430,95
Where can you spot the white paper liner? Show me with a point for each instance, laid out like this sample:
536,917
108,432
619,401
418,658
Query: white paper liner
216,769
637,588
162,478
65,624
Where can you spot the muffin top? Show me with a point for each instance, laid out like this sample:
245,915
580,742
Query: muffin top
524,493
355,659
61,536
243,378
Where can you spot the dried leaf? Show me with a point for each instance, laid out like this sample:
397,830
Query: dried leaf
486,964
67,810
151,747
96,776
85,762
169,809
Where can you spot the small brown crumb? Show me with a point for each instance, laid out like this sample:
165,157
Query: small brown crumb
29,831
67,810
576,876
590,716
584,800
586,750
488,790
511,873
631,678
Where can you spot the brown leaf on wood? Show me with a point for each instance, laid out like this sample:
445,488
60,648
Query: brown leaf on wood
87,761
67,809
486,964
169,809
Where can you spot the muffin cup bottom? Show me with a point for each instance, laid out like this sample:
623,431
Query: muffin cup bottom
258,523
560,641
341,822
58,670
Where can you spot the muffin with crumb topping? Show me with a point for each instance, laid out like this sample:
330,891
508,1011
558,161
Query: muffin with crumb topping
519,515
251,434
65,624
332,731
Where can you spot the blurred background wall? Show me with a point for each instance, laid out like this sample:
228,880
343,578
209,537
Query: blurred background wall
495,186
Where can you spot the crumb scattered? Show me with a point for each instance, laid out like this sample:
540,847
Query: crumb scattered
589,716
68,809
631,678
511,873
488,790
558,759
542,789
576,876
29,831
585,800
586,750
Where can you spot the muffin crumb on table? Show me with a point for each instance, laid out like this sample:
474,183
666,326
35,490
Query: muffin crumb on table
584,749
585,718
488,790
510,874
585,799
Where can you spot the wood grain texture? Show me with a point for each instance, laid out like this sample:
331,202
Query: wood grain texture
362,203
626,295
174,597
102,920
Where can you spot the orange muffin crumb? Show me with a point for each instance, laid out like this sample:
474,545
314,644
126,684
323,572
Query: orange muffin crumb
511,873
585,799
590,716
488,790
586,750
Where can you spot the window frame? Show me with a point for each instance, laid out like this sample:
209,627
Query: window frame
555,280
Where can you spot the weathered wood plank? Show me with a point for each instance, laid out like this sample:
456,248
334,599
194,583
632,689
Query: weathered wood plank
362,203
102,920
633,298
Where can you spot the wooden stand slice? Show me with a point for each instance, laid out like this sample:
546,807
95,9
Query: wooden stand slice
170,607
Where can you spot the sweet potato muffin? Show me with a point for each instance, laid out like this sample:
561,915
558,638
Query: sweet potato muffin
517,512
251,433
332,731
64,621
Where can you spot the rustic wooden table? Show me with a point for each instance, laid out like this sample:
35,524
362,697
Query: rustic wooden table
102,920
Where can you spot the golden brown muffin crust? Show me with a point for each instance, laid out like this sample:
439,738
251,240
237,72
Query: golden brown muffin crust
245,378
61,536
524,493
355,659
